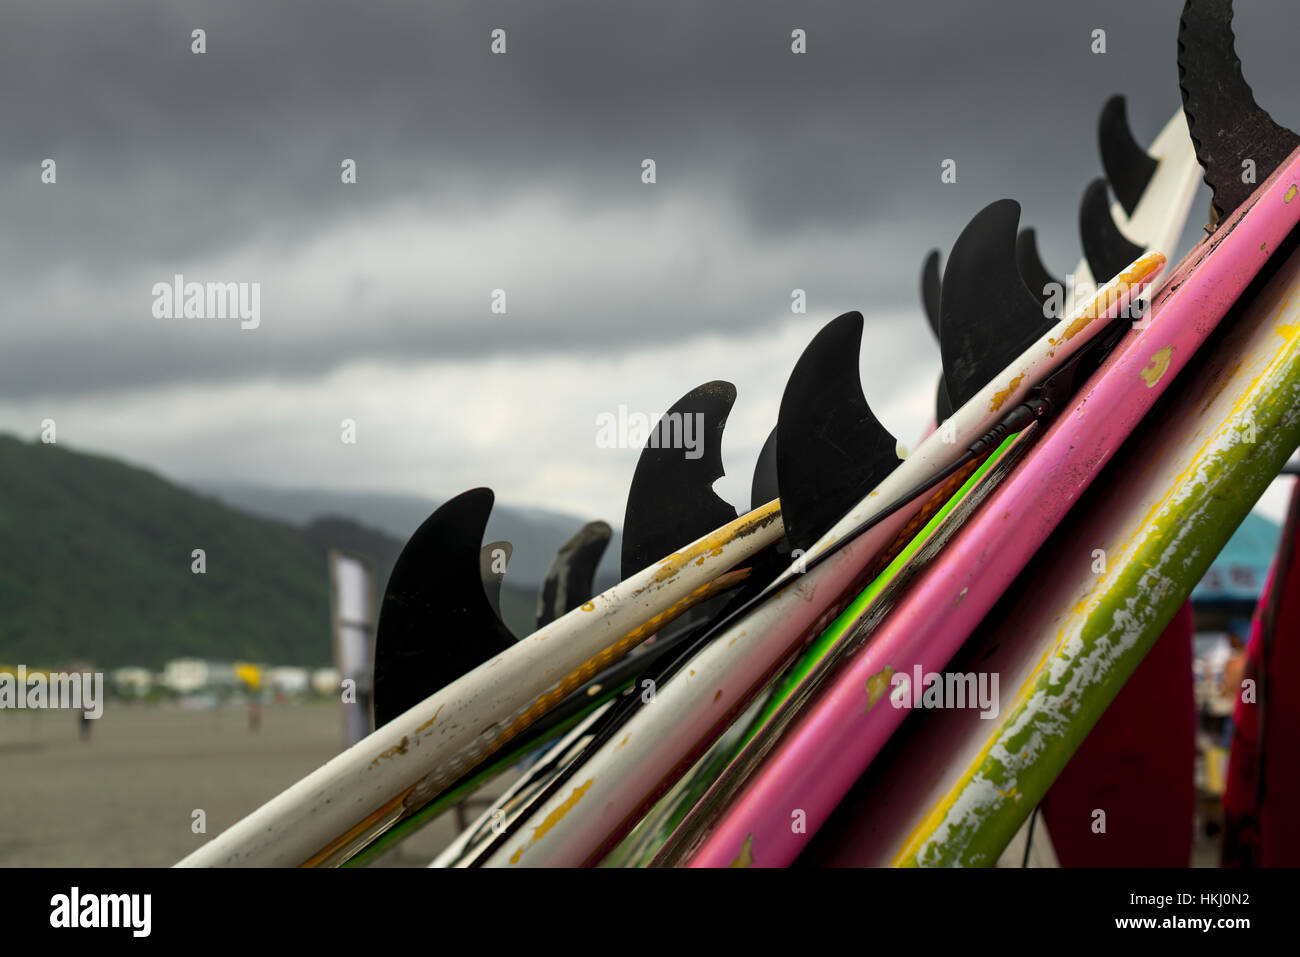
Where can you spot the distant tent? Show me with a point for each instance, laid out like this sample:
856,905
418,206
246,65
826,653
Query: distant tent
1234,581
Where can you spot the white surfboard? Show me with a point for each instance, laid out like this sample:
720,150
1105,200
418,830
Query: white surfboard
356,796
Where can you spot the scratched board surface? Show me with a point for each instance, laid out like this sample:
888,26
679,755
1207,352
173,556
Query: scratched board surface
818,763
650,834
1172,498
346,803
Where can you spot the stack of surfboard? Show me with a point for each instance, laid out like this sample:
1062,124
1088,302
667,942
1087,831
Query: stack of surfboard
717,705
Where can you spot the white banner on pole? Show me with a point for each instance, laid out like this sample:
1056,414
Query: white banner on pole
352,589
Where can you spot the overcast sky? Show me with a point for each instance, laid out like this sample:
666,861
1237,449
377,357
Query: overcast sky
521,172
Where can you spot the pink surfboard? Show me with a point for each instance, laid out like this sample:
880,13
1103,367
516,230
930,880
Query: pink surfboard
828,747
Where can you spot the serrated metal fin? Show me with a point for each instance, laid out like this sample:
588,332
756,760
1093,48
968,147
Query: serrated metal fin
1228,128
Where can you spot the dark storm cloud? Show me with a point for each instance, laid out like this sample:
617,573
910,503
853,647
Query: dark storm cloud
819,171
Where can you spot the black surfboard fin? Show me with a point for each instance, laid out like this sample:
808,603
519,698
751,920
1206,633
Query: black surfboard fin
1226,124
569,581
671,502
930,288
942,404
930,284
491,557
764,486
1128,167
987,315
1032,271
830,448
1104,246
436,622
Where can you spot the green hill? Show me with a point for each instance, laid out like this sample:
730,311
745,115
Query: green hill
95,565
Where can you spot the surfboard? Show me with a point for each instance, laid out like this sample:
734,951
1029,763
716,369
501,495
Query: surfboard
1161,199
633,768
958,788
825,749
473,841
658,824
392,773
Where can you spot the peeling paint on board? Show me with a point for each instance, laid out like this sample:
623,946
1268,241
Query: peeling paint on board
1209,480
1157,367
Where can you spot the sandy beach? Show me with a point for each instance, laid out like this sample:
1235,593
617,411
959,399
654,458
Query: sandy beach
126,796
